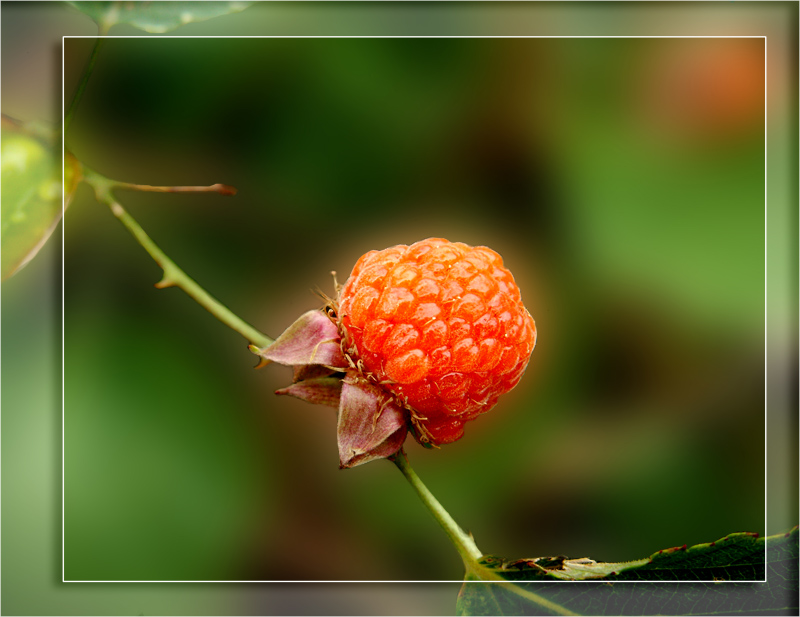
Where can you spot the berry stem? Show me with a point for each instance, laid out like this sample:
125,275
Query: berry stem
465,545
463,542
173,275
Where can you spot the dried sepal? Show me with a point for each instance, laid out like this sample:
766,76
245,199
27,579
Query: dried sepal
312,339
319,391
371,424
311,371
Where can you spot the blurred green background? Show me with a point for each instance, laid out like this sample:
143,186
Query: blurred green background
634,228
621,179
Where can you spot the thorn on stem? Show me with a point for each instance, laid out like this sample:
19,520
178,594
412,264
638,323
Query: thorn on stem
164,283
224,189
262,362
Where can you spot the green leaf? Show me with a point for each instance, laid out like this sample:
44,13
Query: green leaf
533,584
155,17
31,192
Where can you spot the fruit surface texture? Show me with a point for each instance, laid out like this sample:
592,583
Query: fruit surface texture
441,325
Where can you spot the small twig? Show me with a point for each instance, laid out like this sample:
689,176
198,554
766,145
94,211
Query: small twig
173,275
222,189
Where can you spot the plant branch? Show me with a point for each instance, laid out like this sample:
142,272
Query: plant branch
222,189
173,275
87,72
463,542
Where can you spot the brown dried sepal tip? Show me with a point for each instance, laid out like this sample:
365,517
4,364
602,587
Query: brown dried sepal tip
371,423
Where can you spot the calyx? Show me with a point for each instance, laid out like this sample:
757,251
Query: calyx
371,423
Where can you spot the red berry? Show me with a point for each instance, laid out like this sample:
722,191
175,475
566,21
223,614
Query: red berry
439,324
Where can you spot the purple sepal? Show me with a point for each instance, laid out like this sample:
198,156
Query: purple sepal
312,339
311,371
319,390
371,425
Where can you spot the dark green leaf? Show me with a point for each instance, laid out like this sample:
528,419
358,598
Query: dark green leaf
606,589
155,17
31,192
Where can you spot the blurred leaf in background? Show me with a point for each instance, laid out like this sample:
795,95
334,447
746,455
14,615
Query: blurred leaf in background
32,204
155,17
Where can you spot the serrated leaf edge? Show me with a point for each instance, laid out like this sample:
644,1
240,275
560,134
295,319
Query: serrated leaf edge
585,571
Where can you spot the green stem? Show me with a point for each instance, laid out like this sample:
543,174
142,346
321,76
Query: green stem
465,545
463,542
87,71
173,275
